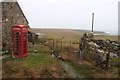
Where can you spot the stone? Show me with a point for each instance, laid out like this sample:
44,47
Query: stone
35,51
97,51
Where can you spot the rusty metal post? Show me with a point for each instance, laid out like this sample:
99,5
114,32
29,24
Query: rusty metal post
56,44
70,43
53,43
61,44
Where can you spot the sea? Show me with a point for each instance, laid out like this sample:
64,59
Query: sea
113,33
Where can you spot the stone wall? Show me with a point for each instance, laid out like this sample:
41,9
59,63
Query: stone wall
98,51
11,15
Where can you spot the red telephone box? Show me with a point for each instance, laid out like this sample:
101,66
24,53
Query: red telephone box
19,41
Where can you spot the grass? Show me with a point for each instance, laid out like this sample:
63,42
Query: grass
84,69
38,63
37,60
88,71
38,56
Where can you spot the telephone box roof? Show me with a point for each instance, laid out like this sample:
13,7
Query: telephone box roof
19,26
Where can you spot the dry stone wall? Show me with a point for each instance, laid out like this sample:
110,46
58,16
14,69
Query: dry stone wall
98,52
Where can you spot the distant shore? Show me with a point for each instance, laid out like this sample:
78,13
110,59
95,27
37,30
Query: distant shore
81,30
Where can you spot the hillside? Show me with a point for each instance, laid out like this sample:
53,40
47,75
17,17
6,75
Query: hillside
73,33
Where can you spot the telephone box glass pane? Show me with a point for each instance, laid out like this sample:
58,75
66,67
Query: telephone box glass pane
24,42
16,42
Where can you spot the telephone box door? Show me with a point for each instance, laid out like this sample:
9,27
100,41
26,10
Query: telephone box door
25,43
16,44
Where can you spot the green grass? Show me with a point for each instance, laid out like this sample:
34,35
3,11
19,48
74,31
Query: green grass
88,71
36,60
83,69
39,58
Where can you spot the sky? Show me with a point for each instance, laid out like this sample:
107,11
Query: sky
72,14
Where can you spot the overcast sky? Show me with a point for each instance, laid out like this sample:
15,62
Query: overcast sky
75,14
